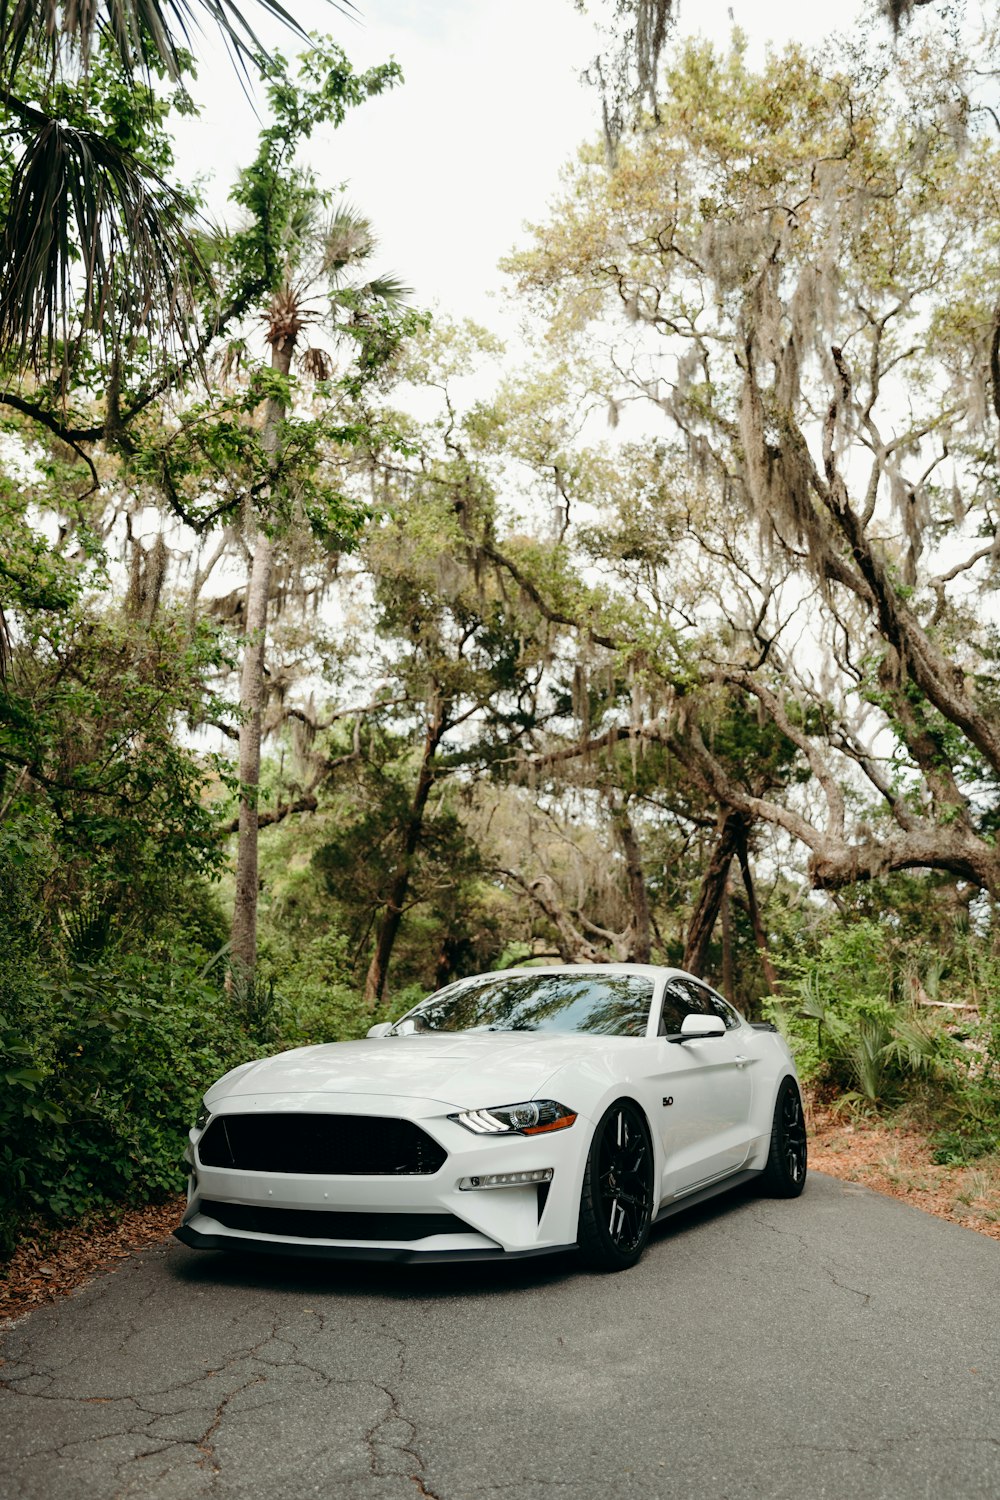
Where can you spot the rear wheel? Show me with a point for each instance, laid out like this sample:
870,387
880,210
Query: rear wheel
616,1206
785,1173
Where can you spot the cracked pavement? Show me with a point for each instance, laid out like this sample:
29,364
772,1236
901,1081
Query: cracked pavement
839,1345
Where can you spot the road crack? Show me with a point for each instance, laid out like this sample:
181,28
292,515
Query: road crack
206,1443
416,1470
866,1297
828,1270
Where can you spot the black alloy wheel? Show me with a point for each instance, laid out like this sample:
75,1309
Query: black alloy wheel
616,1206
787,1161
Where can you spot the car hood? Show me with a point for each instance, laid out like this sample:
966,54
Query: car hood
466,1070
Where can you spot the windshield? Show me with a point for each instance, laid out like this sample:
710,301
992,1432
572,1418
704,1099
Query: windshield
591,1004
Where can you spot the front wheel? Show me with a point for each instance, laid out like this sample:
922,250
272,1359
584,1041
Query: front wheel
785,1173
616,1206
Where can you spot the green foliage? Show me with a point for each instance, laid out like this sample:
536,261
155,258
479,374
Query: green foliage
317,998
89,753
448,927
850,1025
110,1025
94,239
887,1021
103,1063
360,855
962,1146
95,249
281,201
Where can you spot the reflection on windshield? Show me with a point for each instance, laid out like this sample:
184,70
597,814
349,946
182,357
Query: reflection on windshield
592,1004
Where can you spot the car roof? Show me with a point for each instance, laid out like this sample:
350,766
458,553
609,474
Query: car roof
649,971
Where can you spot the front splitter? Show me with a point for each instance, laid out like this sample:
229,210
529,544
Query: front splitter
402,1255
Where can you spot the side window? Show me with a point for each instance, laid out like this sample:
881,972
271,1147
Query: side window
675,1007
705,1003
732,1017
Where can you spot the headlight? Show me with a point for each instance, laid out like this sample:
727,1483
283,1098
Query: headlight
204,1115
535,1117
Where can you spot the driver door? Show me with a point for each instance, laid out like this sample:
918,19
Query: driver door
705,1086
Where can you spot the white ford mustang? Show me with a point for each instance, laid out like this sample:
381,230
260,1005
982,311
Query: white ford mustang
510,1114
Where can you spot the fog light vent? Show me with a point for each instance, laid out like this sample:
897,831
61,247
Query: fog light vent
506,1179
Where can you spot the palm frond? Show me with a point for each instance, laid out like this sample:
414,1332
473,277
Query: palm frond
317,364
814,1003
348,240
388,289
305,226
92,238
916,1047
142,30
867,1057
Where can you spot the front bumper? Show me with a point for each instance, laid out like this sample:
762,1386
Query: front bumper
265,1211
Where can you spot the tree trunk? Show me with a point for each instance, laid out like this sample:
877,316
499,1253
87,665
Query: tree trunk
759,935
378,969
445,965
243,948
640,939
728,977
713,887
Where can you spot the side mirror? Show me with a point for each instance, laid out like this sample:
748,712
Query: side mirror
382,1029
694,1026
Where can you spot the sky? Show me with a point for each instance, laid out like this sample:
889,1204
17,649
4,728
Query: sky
450,166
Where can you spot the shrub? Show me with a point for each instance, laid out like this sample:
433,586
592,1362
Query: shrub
851,1022
887,1022
103,1088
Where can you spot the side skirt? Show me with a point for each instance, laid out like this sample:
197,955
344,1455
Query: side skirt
687,1200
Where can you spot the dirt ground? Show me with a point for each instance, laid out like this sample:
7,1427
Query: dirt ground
54,1263
898,1161
891,1159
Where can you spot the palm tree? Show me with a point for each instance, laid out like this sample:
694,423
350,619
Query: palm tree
93,237
321,286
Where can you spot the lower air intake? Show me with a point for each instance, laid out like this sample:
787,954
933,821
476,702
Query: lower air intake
321,1224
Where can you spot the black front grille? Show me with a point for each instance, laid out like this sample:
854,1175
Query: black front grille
321,1145
322,1224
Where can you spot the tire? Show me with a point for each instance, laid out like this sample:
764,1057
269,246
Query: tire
787,1161
616,1204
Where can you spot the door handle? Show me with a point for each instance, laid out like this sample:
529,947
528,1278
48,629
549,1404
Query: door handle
740,1060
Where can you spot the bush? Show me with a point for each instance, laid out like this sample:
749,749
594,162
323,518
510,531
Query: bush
316,994
104,1059
957,1148
102,1088
887,1022
102,1063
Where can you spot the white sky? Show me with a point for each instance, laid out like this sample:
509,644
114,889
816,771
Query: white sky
451,164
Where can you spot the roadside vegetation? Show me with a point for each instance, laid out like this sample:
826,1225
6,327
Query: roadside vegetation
675,642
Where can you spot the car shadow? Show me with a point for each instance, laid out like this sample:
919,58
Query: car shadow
687,1220
360,1278
429,1283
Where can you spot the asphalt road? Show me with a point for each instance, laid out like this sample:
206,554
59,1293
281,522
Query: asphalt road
841,1345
